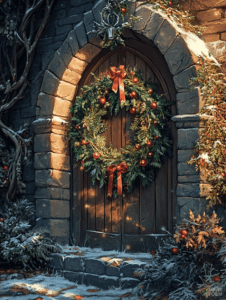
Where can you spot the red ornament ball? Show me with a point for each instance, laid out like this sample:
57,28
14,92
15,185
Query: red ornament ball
223,174
150,91
182,236
153,105
132,73
137,146
2,220
102,100
84,143
143,163
96,155
77,127
149,154
133,94
156,137
216,278
5,168
123,10
170,2
155,123
184,232
201,62
170,10
175,250
132,110
149,144
135,80
225,152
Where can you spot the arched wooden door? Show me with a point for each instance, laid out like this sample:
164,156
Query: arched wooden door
132,221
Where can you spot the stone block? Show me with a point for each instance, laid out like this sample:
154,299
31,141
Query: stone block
48,32
96,41
71,77
181,80
59,14
188,178
52,193
127,283
50,160
112,271
88,20
65,90
213,37
204,189
77,65
70,20
97,10
62,29
56,261
81,34
215,27
60,37
94,266
50,105
50,47
56,178
50,83
223,36
186,138
103,282
59,227
25,102
50,142
185,155
197,206
45,41
129,269
73,42
80,9
35,88
57,65
74,277
79,2
88,52
61,4
153,26
186,169
178,56
188,190
28,172
30,187
188,103
209,15
145,12
204,5
165,36
73,264
55,209
28,112
46,58
65,52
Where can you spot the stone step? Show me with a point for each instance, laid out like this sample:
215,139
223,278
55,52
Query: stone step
103,271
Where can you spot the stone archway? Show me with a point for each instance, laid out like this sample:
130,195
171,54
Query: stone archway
52,156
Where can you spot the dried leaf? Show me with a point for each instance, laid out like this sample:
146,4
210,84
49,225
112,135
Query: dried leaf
200,238
198,218
193,229
191,215
204,233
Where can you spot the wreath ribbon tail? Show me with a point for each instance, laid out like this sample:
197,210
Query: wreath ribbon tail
121,89
111,169
119,183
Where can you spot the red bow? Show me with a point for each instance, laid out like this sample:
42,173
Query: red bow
117,78
121,168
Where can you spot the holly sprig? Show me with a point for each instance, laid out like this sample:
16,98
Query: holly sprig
90,121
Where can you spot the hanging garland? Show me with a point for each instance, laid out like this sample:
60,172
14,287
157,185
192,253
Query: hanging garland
152,140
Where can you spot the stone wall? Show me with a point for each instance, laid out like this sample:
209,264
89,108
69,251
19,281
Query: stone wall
59,63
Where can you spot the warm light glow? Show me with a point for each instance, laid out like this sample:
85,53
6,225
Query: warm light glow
128,247
81,168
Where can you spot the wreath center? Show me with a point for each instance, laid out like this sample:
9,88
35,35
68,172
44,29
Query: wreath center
152,141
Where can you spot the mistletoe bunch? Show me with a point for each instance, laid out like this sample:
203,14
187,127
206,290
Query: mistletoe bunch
152,141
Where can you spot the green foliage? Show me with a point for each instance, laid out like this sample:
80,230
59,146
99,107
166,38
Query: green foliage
88,110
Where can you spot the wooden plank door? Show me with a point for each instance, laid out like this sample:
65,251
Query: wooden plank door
132,221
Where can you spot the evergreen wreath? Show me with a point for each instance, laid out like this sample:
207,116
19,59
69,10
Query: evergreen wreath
152,141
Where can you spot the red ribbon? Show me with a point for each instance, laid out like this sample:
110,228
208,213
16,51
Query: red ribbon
121,168
117,78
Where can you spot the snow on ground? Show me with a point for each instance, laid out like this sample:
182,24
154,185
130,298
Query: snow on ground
55,287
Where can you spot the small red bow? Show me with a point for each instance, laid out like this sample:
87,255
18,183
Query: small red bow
117,78
121,168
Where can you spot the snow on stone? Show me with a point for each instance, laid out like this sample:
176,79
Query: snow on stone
217,142
212,107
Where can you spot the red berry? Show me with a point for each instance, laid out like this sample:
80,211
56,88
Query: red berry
5,168
149,154
132,73
156,137
175,250
137,146
170,10
223,174
135,80
225,152
155,123
123,10
133,94
182,236
153,105
150,91
149,144
184,232
96,155
2,220
132,110
102,101
201,62
216,278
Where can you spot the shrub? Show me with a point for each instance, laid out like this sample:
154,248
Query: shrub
20,246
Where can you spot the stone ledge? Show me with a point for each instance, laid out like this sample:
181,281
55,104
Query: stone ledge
47,209
190,118
45,125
